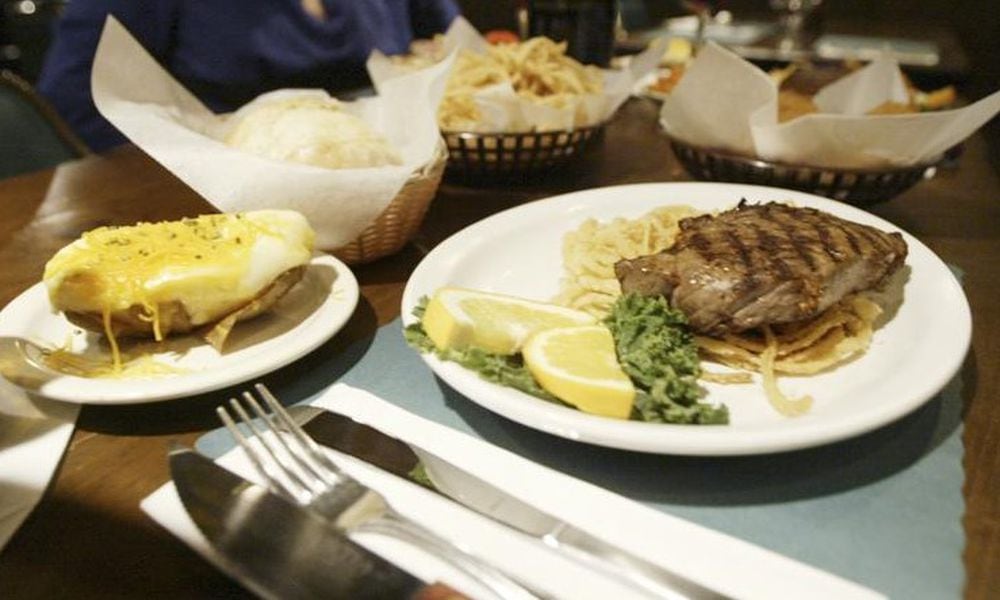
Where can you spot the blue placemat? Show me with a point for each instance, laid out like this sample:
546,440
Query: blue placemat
883,509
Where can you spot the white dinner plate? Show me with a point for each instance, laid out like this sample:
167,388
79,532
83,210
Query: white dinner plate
308,315
518,252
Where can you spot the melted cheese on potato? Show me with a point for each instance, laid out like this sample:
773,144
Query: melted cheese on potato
212,264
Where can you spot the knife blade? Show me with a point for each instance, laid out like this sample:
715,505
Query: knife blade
303,558
402,459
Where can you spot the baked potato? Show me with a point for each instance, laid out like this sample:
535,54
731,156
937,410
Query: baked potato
153,280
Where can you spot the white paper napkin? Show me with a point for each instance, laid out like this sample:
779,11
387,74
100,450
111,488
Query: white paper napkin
727,103
33,436
731,566
170,124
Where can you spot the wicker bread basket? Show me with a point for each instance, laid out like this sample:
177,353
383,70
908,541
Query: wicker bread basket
401,219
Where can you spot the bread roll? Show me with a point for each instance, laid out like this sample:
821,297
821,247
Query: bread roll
310,130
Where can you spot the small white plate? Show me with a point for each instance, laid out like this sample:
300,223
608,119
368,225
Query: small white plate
308,315
518,252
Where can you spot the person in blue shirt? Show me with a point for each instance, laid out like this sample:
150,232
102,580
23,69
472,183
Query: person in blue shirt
227,52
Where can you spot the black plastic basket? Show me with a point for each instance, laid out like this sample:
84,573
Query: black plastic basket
507,156
854,186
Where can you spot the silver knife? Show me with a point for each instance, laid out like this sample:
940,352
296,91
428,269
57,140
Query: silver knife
386,452
279,550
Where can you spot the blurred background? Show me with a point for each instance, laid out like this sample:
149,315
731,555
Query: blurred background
939,42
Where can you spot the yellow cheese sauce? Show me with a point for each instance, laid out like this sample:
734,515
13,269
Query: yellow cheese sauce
144,365
210,265
118,267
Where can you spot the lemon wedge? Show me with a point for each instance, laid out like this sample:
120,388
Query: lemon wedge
579,366
459,318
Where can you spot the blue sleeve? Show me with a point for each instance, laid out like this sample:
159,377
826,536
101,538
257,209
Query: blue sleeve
65,76
431,16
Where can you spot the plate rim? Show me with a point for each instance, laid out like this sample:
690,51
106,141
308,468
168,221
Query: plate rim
341,302
709,441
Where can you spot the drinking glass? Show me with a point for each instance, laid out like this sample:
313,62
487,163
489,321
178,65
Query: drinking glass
794,14
587,26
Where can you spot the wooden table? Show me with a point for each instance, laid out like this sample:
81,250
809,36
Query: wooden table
88,538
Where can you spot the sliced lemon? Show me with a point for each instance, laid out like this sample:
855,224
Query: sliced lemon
459,318
579,366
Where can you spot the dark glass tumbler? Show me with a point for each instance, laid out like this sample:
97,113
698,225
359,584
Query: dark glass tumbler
587,26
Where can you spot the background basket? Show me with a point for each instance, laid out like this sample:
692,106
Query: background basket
853,186
474,156
401,219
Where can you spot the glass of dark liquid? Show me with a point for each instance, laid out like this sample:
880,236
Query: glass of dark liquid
587,26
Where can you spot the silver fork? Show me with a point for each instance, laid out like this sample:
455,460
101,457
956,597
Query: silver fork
295,466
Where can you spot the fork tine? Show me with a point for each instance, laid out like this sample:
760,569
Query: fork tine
266,456
303,455
308,444
264,468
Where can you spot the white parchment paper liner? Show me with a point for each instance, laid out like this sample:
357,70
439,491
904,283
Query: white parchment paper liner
502,110
166,121
724,102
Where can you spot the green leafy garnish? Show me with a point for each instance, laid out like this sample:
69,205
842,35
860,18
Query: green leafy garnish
657,351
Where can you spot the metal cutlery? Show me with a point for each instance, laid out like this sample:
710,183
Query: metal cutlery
375,447
305,558
297,468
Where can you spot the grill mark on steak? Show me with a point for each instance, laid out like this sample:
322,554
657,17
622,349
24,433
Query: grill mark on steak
820,254
749,282
741,249
840,244
772,245
827,243
699,243
763,264
861,240
851,239
788,230
805,234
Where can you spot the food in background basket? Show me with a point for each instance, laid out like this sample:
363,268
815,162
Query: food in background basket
153,280
423,53
666,80
769,288
311,130
538,69
797,86
499,84
839,151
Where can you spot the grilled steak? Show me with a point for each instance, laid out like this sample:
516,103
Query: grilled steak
763,264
